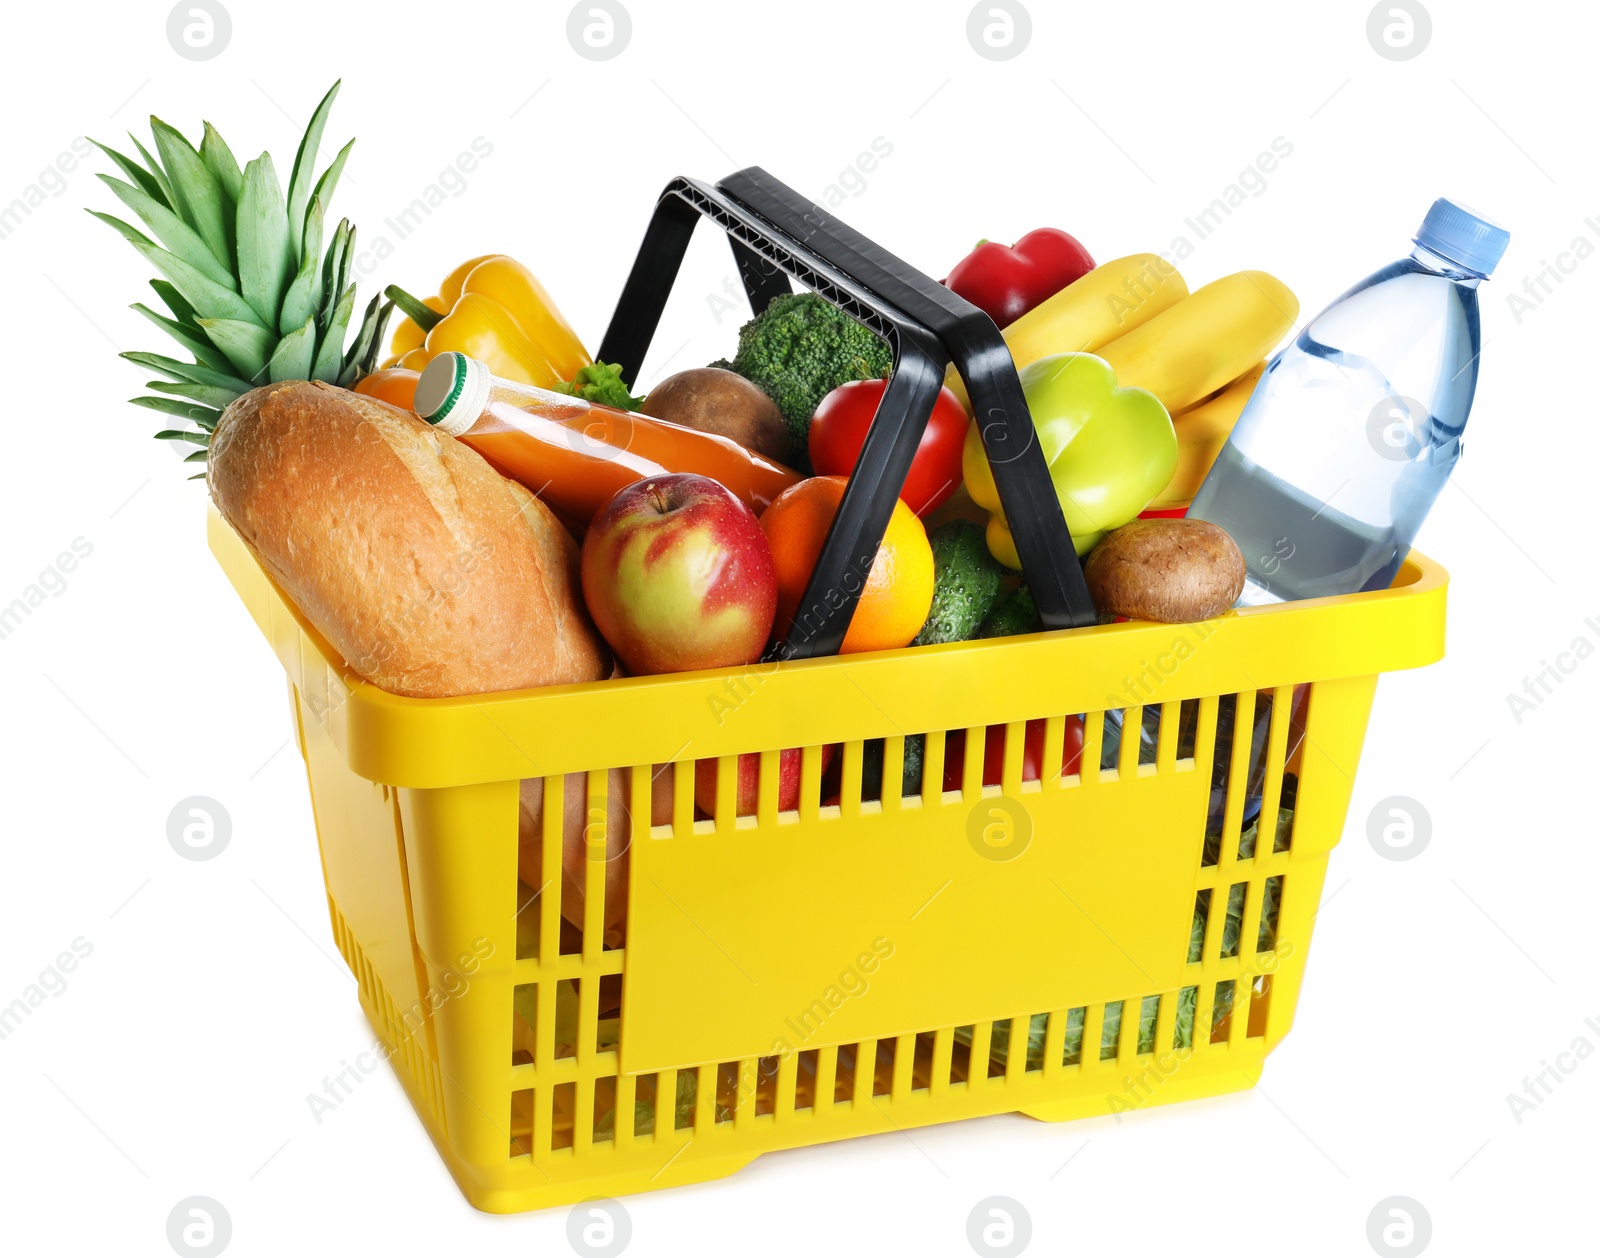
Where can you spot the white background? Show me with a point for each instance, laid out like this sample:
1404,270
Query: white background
178,1059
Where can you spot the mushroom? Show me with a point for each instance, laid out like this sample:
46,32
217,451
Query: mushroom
1173,571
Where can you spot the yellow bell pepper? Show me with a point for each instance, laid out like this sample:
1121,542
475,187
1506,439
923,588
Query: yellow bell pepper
491,308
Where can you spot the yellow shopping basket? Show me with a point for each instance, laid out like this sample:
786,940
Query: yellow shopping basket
1127,927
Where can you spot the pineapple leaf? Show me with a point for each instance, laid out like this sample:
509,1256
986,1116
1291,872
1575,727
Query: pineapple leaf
195,372
195,288
182,434
156,173
135,172
330,270
292,359
358,347
205,295
370,360
325,187
209,299
196,476
372,322
191,338
248,345
219,160
199,456
330,355
300,179
345,259
170,230
204,394
266,260
304,297
205,416
127,231
181,310
197,195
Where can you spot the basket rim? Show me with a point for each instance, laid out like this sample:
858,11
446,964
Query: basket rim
421,742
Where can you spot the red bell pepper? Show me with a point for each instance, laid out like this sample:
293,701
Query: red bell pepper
1005,283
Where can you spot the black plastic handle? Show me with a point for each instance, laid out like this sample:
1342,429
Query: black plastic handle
776,233
970,337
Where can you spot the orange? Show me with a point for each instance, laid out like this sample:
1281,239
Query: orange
898,590
393,385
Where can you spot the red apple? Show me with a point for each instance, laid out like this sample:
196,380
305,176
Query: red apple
677,575
747,791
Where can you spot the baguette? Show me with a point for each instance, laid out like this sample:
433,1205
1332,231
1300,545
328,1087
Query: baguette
578,810
429,572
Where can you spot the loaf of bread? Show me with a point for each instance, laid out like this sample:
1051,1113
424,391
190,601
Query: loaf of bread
428,571
578,810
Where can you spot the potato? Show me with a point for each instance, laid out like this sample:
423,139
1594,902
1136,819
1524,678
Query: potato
722,402
1174,571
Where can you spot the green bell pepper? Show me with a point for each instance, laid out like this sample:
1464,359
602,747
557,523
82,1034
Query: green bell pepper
1110,450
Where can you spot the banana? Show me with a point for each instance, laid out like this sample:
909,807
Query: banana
1202,431
1200,344
1103,306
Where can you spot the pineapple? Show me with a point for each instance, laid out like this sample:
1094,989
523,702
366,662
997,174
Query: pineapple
251,293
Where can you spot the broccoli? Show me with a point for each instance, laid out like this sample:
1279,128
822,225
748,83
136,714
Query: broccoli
966,582
1016,613
801,348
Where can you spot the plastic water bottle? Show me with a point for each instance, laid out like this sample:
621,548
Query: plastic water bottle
1355,426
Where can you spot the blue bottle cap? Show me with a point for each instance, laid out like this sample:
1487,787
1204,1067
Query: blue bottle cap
1462,235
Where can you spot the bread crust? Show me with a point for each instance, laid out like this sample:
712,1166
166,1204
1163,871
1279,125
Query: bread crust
428,571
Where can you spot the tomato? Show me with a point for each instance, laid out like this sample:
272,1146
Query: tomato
994,752
840,425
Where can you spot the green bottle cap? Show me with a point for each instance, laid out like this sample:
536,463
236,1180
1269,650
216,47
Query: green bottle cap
452,392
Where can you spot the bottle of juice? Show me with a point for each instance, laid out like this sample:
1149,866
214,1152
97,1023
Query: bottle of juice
1355,426
573,454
